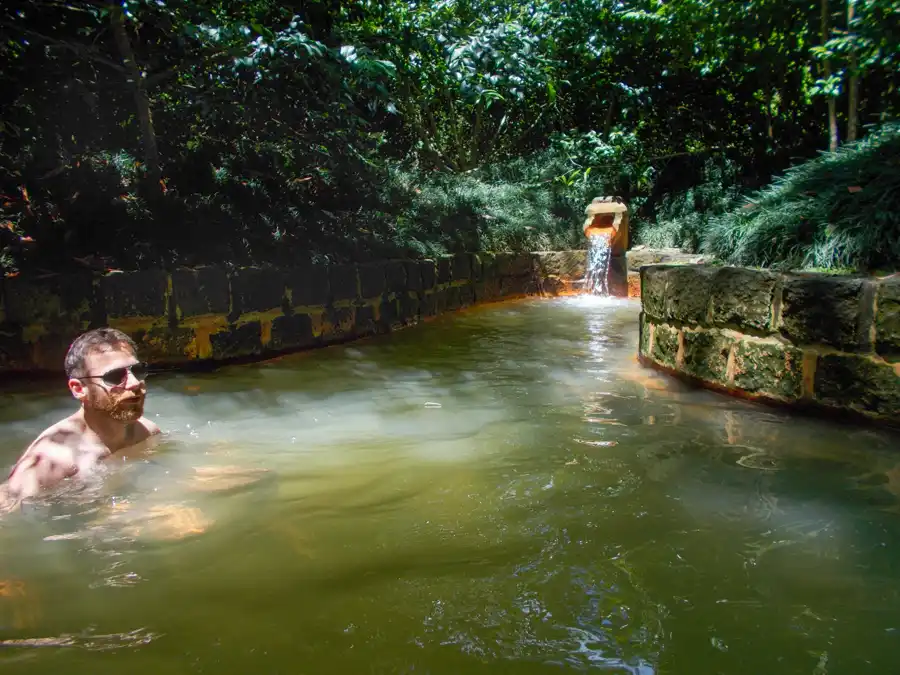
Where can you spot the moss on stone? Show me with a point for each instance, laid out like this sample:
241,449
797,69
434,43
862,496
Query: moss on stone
653,289
822,309
743,298
887,319
706,355
768,368
859,383
687,294
665,345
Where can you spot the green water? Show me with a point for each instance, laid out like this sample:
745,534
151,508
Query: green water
504,490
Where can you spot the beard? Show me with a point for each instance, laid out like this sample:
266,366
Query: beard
125,407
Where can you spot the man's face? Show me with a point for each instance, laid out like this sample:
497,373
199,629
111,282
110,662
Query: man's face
124,401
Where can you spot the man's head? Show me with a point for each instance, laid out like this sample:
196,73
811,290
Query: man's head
105,374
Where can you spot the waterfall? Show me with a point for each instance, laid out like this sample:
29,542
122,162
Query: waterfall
596,279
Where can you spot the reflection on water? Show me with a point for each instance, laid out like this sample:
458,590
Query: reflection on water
503,490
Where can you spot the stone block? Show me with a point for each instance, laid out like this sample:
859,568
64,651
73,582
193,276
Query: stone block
390,315
514,286
743,298
256,289
410,306
564,264
236,341
639,256
821,309
617,278
488,266
65,300
436,302
428,303
452,298
395,274
552,286
859,383
462,267
343,283
514,264
488,290
445,269
337,324
887,319
372,280
467,295
706,355
665,345
133,294
201,291
654,279
414,275
291,332
687,294
769,368
364,320
634,284
308,285
644,327
14,352
429,274
164,343
476,265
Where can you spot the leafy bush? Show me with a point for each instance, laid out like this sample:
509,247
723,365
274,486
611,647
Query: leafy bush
683,218
838,211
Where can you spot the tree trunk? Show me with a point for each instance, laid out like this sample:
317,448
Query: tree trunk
607,123
853,84
826,71
141,100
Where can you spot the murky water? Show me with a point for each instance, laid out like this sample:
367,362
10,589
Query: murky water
500,491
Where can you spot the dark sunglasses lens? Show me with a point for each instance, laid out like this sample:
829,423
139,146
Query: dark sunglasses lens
118,376
115,377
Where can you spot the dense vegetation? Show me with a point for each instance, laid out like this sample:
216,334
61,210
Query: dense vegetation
155,132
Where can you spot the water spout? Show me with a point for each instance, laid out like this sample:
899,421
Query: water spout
596,280
606,228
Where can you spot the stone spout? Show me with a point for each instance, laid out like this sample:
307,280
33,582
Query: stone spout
606,217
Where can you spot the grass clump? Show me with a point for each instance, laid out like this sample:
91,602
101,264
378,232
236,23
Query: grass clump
683,217
519,205
839,211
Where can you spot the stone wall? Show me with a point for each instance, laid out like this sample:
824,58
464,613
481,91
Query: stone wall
814,340
211,314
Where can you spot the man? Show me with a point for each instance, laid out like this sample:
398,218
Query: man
106,377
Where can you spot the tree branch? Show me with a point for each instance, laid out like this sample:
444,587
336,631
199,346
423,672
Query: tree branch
79,50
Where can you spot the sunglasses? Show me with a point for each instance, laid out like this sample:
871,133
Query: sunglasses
117,377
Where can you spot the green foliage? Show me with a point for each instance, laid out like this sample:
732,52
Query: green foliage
153,132
682,218
838,211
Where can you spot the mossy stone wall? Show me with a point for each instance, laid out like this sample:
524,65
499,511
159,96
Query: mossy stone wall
211,314
806,339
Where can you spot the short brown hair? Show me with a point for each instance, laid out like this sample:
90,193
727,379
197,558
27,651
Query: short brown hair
99,339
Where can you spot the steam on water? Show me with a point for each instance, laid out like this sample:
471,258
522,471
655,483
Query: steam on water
596,281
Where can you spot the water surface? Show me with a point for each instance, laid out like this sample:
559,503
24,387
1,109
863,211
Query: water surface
504,490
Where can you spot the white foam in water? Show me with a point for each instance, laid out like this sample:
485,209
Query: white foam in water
596,280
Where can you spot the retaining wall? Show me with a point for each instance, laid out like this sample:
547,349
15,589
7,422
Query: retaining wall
816,340
211,314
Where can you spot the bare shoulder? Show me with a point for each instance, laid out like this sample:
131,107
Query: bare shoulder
147,428
52,457
58,442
